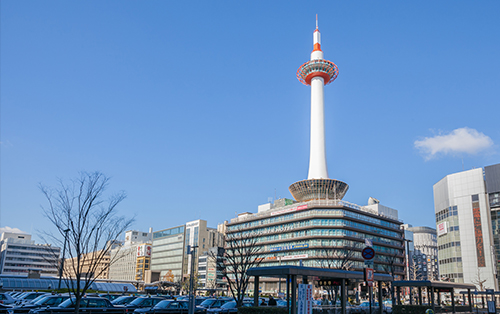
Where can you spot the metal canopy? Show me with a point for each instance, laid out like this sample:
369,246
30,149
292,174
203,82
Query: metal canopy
281,271
434,284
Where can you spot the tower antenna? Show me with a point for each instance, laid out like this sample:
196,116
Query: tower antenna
316,21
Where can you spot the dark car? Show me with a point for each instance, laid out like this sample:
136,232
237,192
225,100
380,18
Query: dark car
211,303
6,298
169,307
43,301
95,305
29,296
229,307
123,300
110,297
4,308
142,302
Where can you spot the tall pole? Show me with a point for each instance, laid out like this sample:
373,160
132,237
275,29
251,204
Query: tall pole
191,281
61,267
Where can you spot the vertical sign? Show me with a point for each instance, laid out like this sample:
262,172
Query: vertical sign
478,230
304,304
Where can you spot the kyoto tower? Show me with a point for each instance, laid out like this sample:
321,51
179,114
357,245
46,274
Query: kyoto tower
317,73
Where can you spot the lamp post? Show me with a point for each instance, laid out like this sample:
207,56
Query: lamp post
63,256
408,258
192,251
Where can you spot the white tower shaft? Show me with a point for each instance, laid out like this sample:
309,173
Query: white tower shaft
317,153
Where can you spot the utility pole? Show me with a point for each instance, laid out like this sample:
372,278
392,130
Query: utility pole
192,251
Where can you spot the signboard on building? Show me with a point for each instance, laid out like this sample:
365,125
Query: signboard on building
478,231
304,304
289,210
144,250
442,228
289,247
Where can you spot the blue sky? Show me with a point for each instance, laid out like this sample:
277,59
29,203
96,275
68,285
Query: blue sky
194,109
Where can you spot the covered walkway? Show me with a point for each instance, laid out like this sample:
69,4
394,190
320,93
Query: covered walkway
307,274
433,289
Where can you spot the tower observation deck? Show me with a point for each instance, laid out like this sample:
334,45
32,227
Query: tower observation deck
317,73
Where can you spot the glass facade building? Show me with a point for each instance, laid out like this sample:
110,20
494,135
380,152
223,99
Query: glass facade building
318,233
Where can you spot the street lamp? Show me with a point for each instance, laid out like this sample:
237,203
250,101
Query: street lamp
61,267
192,251
408,258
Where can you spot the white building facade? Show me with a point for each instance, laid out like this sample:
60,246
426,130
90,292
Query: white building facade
463,221
20,255
124,259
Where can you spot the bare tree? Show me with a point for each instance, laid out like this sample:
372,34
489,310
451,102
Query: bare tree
390,267
339,258
87,226
479,282
241,253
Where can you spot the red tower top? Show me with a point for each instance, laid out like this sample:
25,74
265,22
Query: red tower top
317,66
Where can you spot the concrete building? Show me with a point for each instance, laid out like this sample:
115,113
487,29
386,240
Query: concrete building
20,255
210,276
133,258
425,254
93,265
464,229
170,247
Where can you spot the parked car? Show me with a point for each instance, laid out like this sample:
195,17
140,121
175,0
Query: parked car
169,306
42,301
123,300
94,305
212,302
229,307
5,308
110,297
142,302
6,298
29,296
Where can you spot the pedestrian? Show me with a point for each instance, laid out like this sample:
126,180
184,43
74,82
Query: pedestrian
324,301
272,301
263,302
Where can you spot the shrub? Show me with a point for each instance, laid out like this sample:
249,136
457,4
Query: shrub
410,309
262,310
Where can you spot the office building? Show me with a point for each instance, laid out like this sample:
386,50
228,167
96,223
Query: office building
170,247
425,254
92,265
132,259
464,229
209,272
20,256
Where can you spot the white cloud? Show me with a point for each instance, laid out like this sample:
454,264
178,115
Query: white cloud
13,230
463,140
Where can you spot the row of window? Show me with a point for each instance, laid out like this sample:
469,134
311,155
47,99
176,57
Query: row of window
169,232
313,212
445,213
450,260
448,245
323,232
454,228
321,222
459,275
